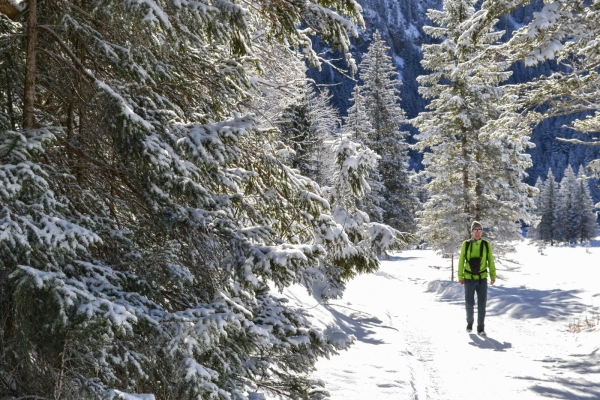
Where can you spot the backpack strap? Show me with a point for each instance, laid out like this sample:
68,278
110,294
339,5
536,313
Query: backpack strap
467,249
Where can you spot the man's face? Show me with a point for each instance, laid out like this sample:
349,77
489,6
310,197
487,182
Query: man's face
477,232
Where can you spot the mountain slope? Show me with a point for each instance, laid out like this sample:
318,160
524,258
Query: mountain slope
400,24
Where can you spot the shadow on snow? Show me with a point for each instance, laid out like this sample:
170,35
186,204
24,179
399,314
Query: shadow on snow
570,376
358,323
518,303
522,302
575,376
398,258
488,343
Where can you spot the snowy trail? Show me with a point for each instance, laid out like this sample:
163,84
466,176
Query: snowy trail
411,340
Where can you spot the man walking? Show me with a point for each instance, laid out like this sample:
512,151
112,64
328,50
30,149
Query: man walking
475,260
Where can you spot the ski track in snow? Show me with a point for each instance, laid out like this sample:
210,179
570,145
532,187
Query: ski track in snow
411,342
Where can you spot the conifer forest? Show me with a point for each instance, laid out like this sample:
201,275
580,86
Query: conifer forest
168,167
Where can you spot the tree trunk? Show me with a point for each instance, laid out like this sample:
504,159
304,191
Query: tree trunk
30,67
478,191
9,99
465,172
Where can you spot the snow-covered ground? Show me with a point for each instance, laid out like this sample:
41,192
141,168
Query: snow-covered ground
411,343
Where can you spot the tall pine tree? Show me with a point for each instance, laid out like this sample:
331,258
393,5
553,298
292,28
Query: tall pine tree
474,173
547,201
587,228
379,88
566,213
566,31
358,126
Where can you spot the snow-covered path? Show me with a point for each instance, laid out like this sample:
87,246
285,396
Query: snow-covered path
409,324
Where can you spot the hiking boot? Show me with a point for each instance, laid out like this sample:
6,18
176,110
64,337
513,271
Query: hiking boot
470,327
480,331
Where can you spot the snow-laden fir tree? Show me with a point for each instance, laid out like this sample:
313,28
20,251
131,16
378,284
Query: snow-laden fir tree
474,174
305,125
584,207
144,221
355,161
358,125
379,88
566,213
282,90
546,202
535,218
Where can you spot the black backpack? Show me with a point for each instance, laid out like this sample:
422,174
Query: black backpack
475,263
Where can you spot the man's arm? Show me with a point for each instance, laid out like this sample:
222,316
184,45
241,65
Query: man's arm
461,264
491,265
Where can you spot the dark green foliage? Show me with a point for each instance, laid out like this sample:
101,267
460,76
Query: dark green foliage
144,218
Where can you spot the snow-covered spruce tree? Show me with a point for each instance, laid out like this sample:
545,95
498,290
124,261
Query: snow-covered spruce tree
358,126
142,220
566,215
535,218
474,173
379,87
305,125
357,123
355,161
575,214
547,202
587,228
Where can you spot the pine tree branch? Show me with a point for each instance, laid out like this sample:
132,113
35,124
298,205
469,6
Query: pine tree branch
87,74
11,147
119,174
84,13
84,155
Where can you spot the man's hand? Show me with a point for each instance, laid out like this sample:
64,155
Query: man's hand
462,282
492,281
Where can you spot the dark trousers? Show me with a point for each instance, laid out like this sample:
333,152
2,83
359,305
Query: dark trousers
473,286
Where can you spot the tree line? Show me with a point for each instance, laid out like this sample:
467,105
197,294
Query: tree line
565,210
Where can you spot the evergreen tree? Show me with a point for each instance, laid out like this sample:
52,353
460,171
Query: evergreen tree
357,124
535,219
566,215
355,161
144,220
546,209
587,229
305,126
419,181
475,174
360,129
382,105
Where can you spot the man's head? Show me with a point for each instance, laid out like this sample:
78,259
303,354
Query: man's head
476,230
